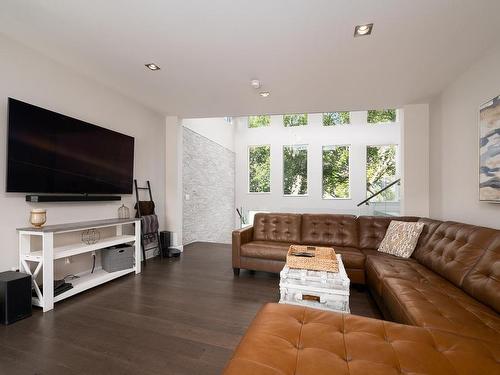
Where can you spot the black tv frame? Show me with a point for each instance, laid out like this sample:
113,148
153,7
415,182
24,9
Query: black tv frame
69,196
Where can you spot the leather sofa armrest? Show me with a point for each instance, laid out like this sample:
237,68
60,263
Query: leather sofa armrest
240,237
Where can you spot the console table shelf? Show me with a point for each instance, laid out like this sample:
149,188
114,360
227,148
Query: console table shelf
44,258
86,281
78,248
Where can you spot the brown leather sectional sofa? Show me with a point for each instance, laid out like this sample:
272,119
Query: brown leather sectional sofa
263,246
446,297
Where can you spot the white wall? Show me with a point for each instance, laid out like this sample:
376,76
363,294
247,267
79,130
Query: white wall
358,135
208,188
415,160
173,176
454,145
216,129
34,78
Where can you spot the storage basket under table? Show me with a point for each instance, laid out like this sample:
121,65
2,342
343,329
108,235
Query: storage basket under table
118,258
317,289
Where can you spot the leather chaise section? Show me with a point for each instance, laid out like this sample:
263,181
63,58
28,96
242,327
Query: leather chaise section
293,340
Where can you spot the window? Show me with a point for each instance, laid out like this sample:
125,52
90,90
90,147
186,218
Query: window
259,121
380,172
385,115
335,172
295,120
259,169
336,118
295,170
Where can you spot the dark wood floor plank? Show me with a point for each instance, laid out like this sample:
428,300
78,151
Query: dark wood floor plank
180,316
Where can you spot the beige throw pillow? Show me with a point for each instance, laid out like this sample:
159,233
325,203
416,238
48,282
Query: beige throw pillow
401,238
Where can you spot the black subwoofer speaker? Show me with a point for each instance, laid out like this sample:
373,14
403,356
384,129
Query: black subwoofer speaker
15,296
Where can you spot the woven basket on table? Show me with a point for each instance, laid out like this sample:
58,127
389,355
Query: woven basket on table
324,258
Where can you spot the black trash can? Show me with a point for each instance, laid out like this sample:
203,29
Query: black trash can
166,243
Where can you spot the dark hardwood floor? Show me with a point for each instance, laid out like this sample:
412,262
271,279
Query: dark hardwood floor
182,316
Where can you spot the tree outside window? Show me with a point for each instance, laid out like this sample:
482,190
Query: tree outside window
259,121
259,168
295,120
295,170
336,118
335,172
384,115
380,172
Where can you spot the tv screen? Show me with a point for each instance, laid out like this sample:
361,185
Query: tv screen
52,153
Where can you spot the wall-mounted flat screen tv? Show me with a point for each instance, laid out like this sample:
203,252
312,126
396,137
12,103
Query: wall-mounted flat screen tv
52,153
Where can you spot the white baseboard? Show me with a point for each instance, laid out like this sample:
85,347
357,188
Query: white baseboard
154,252
180,247
224,243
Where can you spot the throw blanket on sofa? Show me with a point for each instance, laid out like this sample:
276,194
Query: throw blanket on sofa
149,228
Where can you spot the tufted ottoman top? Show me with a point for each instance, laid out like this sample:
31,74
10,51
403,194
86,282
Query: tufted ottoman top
288,340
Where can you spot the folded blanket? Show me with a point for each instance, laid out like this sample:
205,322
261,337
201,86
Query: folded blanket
149,228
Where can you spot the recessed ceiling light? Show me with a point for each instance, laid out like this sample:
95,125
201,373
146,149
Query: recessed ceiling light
152,66
255,83
264,94
363,30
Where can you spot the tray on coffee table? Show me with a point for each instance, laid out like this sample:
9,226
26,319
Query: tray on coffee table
314,258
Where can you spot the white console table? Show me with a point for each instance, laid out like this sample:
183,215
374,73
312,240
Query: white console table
44,257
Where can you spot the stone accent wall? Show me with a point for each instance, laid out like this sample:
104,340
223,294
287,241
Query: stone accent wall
208,179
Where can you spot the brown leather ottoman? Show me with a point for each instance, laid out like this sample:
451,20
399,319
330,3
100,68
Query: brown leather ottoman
289,340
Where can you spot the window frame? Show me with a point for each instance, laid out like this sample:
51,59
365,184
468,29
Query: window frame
295,114
350,169
396,121
283,170
397,175
258,127
248,169
334,125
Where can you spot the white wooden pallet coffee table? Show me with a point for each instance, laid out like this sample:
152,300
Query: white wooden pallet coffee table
317,289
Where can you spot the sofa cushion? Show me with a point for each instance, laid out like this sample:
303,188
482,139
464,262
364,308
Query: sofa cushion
277,227
351,257
380,267
455,248
265,250
372,229
288,340
375,253
401,238
430,226
483,280
329,230
440,305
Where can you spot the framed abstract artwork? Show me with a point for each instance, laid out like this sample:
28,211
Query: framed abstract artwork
489,151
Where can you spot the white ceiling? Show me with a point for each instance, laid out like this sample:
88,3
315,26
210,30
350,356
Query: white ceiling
303,51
